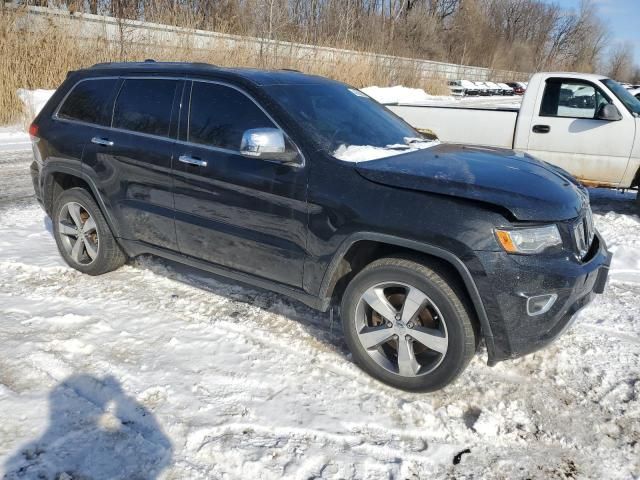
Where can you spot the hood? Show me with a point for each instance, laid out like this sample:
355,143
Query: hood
528,188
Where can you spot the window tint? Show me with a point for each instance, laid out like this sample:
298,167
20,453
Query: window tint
571,99
89,101
219,115
144,105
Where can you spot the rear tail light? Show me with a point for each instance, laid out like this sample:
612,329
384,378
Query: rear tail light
33,132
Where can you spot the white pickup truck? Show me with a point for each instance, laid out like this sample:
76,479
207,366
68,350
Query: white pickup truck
586,124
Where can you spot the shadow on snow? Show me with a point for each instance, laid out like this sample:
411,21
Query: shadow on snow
95,432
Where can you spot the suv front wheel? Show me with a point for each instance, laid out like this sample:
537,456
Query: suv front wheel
82,234
407,325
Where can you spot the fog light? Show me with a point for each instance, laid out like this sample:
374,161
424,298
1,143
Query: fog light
540,304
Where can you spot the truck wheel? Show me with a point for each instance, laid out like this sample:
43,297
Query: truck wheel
82,234
407,325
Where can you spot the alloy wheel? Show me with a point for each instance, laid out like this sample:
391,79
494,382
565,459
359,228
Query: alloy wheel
401,329
78,233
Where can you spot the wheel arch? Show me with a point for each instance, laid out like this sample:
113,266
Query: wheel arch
362,248
57,178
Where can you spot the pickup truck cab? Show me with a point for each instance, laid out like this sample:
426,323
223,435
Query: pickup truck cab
587,124
307,187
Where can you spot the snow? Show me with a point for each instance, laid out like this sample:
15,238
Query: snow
363,153
34,101
161,371
14,138
400,94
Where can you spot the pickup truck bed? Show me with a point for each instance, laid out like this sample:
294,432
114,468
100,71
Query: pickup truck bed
454,124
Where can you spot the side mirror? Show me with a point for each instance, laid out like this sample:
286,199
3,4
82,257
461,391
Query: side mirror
267,144
609,112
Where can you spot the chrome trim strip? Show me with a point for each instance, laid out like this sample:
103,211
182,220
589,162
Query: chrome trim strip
55,115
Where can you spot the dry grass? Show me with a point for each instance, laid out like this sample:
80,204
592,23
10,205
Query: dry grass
41,57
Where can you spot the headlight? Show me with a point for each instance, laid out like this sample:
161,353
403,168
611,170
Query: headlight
529,240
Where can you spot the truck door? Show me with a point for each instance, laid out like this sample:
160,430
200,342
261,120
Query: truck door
565,131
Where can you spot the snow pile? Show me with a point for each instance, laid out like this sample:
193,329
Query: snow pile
619,224
400,94
34,101
363,153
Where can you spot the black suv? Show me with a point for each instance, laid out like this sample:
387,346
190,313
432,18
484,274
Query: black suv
308,187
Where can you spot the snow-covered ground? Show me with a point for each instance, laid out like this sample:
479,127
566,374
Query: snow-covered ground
160,371
13,138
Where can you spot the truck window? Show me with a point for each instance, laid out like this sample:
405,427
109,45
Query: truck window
144,105
630,102
219,115
89,101
571,99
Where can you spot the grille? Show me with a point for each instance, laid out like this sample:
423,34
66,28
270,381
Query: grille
583,233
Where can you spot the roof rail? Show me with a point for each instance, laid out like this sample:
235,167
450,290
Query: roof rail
291,70
149,60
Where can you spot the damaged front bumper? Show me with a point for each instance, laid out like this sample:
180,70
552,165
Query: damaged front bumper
510,281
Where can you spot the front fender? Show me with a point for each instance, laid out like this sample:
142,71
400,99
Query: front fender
326,288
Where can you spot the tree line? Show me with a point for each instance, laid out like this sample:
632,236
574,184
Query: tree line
517,35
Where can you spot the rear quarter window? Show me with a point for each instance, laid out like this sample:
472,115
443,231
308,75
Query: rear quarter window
144,105
89,101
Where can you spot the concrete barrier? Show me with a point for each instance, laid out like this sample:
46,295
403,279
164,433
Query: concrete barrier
88,26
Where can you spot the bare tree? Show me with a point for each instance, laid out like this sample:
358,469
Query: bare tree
620,62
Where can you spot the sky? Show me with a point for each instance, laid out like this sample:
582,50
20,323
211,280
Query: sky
623,17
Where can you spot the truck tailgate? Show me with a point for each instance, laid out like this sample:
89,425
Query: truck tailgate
490,127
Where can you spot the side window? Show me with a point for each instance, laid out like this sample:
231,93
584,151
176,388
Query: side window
90,102
219,115
144,105
571,99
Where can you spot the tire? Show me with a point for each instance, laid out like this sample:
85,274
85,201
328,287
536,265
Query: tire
98,252
444,315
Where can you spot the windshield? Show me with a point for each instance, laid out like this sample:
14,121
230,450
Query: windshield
631,102
340,117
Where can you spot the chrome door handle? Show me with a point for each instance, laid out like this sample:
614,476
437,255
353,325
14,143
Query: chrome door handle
192,160
102,141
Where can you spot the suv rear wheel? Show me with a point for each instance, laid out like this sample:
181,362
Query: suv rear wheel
407,325
82,234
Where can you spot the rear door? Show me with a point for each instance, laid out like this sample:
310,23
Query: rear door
84,113
132,159
247,214
565,132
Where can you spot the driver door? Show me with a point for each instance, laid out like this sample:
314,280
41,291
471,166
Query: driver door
244,213
566,132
